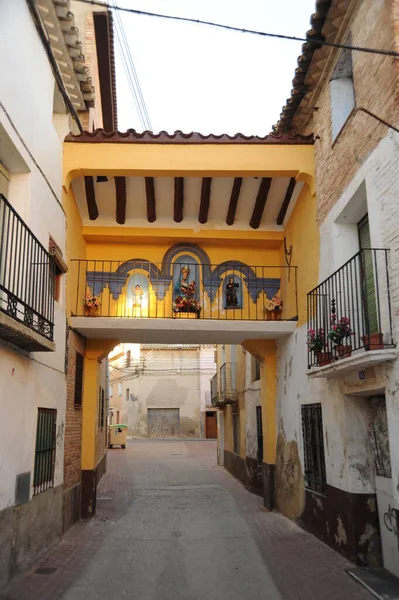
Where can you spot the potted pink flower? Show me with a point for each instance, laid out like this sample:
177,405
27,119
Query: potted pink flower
316,342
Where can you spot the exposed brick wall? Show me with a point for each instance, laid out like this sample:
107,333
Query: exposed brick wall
375,81
73,418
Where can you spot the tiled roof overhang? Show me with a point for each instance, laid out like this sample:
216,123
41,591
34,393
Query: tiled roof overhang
64,40
104,31
300,86
178,137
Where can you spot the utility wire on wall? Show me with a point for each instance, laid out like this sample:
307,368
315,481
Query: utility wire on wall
130,69
316,41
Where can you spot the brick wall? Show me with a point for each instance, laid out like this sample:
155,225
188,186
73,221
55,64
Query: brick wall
375,81
73,419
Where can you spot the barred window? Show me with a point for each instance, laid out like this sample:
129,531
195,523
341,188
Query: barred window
101,408
78,380
46,438
313,444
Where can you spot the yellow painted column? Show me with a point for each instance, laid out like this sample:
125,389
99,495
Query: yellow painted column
265,351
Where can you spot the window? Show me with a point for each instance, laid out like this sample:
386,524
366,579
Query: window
127,395
313,444
236,429
43,477
127,359
78,380
119,389
117,417
368,277
60,267
255,366
101,408
342,94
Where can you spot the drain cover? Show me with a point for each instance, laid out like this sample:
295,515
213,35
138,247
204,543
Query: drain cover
45,571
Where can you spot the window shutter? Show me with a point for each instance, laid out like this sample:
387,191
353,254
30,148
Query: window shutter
370,301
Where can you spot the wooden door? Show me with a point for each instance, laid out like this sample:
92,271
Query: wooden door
163,422
211,431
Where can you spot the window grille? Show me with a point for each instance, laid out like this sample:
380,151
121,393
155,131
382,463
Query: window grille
313,443
259,431
101,408
236,429
43,478
78,380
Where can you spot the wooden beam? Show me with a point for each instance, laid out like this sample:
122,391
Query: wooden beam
260,202
179,199
235,194
286,201
120,188
91,198
205,200
150,191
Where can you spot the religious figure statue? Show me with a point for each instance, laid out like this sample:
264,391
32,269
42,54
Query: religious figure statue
231,294
137,296
184,293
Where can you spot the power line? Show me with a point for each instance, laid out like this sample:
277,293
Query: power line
280,36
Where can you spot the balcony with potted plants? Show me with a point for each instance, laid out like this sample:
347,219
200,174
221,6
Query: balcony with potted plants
349,317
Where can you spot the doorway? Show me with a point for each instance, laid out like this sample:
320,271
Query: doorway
211,431
163,422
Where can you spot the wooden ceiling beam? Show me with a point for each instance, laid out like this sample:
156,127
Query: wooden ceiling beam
235,194
150,192
286,201
205,200
120,188
260,202
91,198
179,200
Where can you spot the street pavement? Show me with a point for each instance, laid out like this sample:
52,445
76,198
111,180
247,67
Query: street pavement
172,525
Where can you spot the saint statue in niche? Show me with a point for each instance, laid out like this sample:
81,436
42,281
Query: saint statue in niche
231,294
184,293
137,296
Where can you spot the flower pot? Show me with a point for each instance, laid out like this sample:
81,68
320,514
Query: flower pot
91,311
344,351
323,358
373,341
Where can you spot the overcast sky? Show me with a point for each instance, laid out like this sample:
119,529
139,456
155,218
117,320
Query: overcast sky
197,78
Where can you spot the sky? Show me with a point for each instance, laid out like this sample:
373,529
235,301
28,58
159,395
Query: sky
198,78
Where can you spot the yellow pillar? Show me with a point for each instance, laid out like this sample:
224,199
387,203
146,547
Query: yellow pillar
265,351
96,351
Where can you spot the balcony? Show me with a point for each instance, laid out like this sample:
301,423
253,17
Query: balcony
26,285
214,390
349,316
143,297
228,383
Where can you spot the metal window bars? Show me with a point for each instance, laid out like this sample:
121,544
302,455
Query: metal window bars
27,274
46,438
351,309
313,445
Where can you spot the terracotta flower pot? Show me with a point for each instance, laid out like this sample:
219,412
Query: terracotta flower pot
344,351
323,358
373,341
91,311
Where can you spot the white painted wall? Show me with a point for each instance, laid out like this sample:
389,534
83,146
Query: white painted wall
26,111
252,399
344,399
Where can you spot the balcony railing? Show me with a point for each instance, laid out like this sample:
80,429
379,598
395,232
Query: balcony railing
142,289
214,390
228,383
26,276
351,310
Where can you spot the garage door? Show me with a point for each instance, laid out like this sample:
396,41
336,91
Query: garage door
163,422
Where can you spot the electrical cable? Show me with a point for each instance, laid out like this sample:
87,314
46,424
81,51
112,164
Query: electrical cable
280,36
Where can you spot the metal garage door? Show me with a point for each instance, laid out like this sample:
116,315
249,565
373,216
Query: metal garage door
163,422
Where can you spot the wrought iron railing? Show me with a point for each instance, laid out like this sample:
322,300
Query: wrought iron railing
214,390
228,382
142,289
27,274
351,309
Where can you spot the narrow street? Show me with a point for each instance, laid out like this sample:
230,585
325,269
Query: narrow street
172,525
